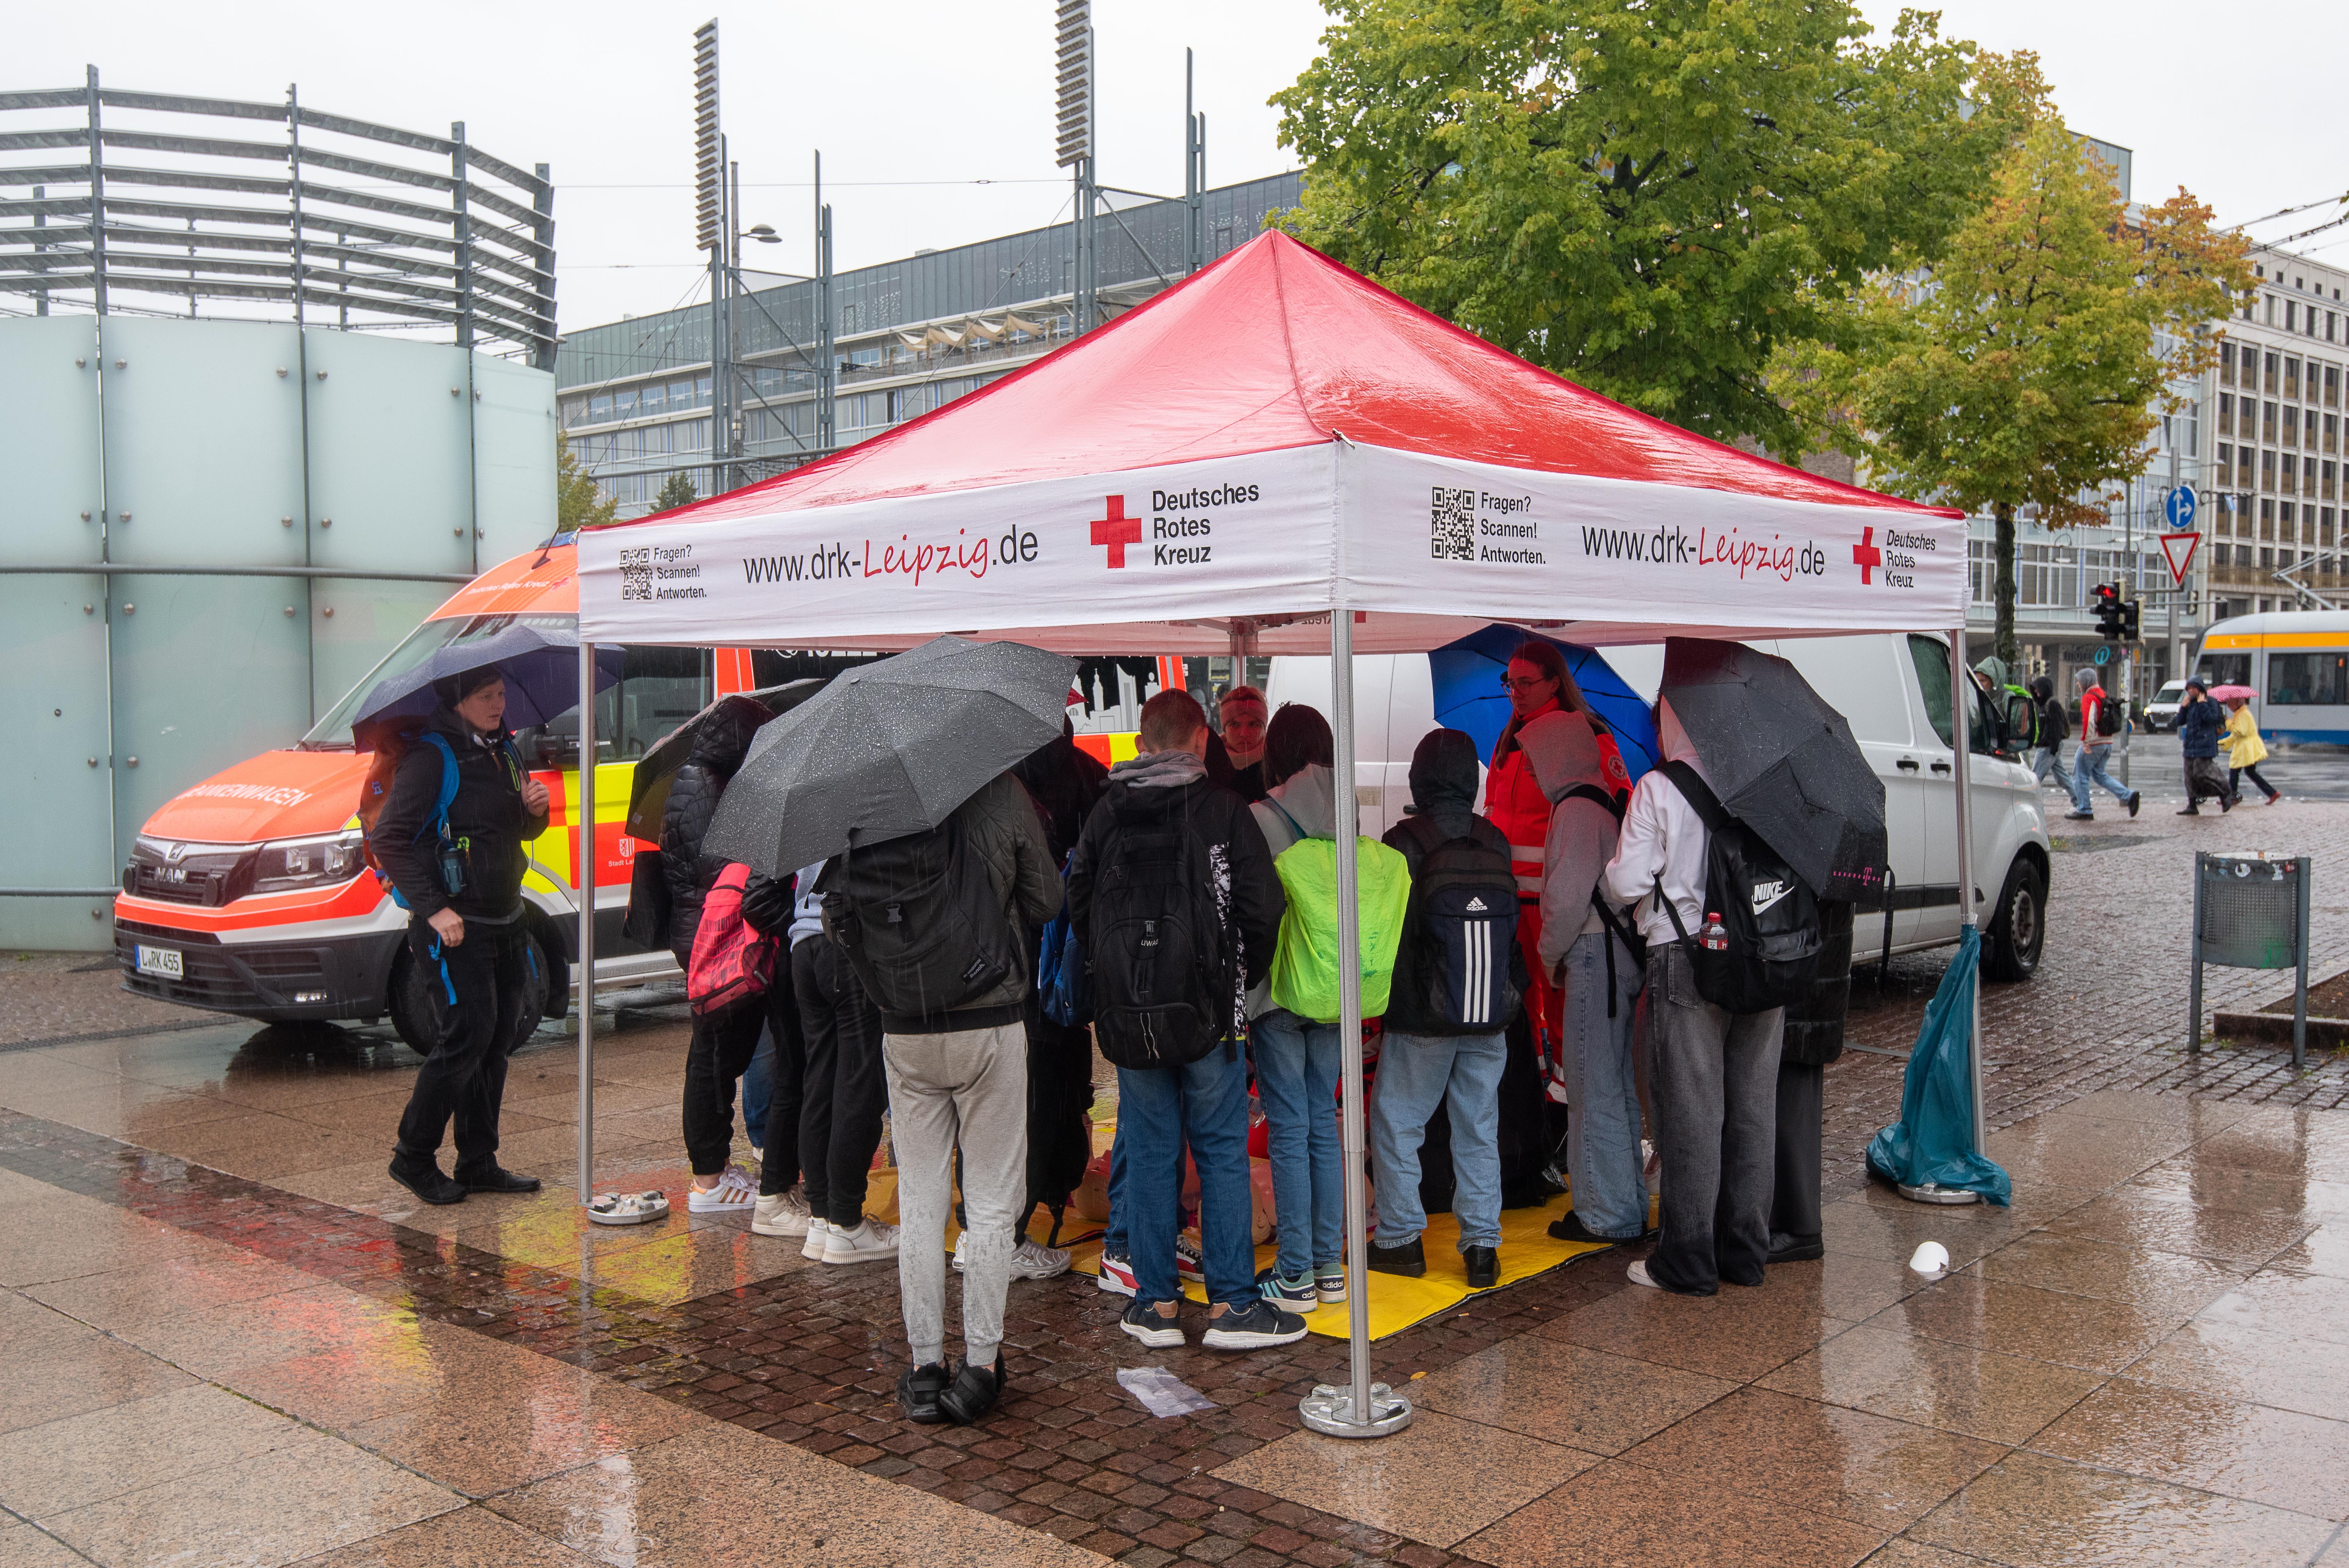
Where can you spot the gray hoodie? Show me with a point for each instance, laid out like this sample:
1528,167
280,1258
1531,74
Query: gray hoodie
1564,752
1306,800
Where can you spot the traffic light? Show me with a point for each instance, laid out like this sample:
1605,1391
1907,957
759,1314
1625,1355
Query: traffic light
2130,608
2106,598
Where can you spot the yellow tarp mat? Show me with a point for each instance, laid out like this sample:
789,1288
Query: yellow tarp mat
1396,1303
881,1203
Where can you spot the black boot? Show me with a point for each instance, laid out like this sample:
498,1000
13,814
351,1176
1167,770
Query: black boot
1408,1260
1793,1248
1484,1267
495,1178
423,1177
917,1393
975,1391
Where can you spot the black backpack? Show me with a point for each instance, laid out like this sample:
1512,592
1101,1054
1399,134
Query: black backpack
1163,991
1460,931
2108,717
920,921
1770,918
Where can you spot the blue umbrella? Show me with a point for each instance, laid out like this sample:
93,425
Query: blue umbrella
540,665
1468,695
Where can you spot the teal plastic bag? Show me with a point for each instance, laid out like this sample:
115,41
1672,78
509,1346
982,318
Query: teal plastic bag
1933,1141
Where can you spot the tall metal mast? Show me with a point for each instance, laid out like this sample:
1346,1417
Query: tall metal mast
712,222
1075,146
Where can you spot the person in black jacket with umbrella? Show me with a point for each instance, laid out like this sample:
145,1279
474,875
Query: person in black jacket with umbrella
723,1043
475,947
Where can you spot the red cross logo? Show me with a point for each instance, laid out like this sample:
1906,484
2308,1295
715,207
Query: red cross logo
1117,531
1865,555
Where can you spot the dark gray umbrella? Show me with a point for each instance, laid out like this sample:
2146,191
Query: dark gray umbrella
1782,761
888,749
656,769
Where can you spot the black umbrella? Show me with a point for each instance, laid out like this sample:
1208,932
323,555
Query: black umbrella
540,666
1782,761
888,749
656,769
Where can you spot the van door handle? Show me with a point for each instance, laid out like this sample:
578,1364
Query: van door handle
1908,764
1940,768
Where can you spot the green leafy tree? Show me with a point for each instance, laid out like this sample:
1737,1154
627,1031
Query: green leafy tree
2027,364
578,502
1646,199
676,490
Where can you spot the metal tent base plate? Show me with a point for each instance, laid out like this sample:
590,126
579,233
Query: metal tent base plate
1331,1410
1933,1192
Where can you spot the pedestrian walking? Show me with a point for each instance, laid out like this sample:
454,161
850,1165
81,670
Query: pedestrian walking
2200,723
2045,762
1713,1075
450,835
931,923
819,1152
1174,894
1593,954
2100,720
723,1042
2245,752
1460,978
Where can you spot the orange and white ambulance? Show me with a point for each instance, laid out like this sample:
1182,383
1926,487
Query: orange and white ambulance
246,894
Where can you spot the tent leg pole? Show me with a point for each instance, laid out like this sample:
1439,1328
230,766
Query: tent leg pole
584,810
1962,707
1360,1409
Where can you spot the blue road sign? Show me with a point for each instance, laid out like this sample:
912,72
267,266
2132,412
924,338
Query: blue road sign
2103,655
2178,506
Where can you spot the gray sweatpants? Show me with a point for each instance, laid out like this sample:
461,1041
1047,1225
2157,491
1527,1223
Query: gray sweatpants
966,1085
1713,1078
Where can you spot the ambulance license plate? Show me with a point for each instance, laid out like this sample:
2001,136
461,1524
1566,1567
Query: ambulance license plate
163,961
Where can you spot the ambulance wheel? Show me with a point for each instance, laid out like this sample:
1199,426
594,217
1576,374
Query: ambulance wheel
2019,926
410,1004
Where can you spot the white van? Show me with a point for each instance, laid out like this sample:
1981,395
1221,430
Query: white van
1895,692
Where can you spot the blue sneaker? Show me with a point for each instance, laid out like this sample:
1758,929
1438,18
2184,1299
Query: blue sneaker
1295,1294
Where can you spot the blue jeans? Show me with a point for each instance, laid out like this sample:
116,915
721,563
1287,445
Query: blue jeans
1602,1138
1416,1072
2044,761
759,1088
1157,1109
2088,766
1296,1066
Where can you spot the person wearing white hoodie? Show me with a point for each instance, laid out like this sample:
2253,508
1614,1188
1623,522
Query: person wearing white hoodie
1298,1059
1712,1076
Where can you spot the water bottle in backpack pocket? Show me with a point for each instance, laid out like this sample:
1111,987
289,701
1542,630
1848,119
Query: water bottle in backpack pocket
1461,932
1760,941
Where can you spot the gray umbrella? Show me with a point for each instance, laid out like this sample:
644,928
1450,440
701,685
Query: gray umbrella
888,749
1782,761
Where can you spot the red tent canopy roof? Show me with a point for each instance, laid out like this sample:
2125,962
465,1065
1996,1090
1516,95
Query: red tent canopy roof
1274,345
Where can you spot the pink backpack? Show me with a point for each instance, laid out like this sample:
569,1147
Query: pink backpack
731,961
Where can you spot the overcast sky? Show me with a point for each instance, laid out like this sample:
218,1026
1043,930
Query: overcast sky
915,102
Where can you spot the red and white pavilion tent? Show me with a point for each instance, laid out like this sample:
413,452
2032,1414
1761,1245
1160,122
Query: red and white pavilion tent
1277,456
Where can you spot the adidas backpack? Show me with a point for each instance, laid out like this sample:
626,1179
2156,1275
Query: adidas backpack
1465,973
1770,941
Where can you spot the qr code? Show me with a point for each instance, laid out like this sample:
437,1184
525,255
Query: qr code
1452,525
636,583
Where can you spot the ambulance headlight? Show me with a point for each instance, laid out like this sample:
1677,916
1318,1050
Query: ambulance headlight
320,862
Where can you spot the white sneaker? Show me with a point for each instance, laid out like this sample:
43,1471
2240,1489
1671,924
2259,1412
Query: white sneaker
1638,1274
870,1242
819,1232
731,1194
783,1214
1033,1261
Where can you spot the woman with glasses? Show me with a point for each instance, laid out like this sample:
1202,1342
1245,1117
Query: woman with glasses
1538,683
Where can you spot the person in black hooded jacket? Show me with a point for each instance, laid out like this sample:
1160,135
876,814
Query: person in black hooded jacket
472,942
723,1043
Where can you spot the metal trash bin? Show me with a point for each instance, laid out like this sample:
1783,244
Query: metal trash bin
2250,911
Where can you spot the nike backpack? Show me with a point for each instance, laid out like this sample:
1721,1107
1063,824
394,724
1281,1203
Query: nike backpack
1163,990
920,921
1767,953
1459,934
